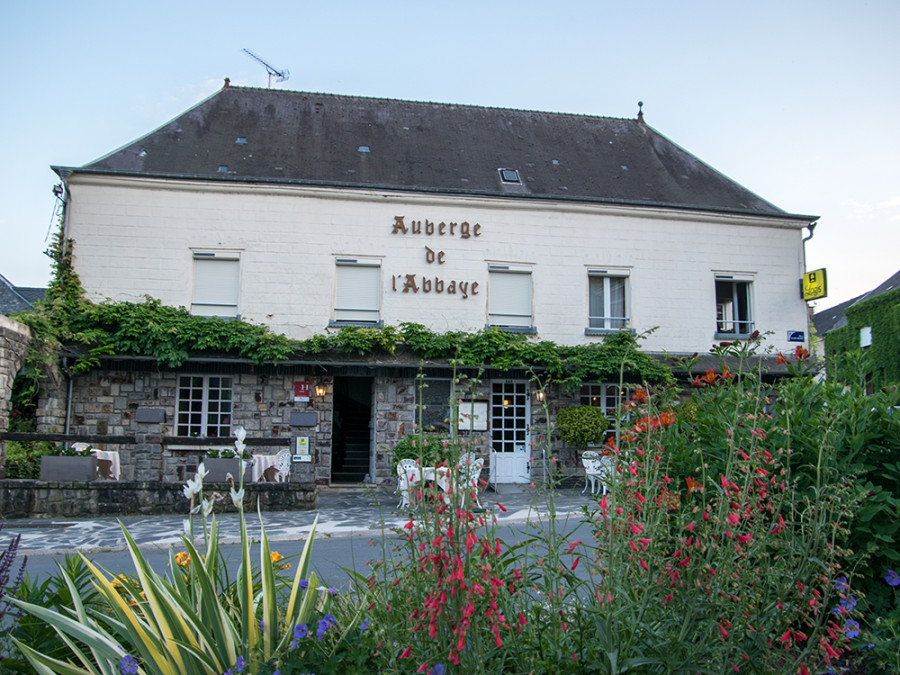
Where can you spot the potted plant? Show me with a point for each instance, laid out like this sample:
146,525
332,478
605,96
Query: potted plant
220,463
76,463
581,426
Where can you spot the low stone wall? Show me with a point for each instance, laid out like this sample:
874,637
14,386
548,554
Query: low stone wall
71,499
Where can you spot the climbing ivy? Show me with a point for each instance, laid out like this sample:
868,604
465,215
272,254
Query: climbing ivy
66,323
882,314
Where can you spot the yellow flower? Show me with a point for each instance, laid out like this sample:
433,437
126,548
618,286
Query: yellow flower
183,559
276,557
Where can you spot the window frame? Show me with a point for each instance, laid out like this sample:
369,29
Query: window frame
609,321
221,258
205,406
612,397
342,315
743,326
526,325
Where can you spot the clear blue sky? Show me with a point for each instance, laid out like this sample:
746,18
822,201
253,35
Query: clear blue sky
796,100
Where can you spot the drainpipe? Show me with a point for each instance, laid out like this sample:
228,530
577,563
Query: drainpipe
68,399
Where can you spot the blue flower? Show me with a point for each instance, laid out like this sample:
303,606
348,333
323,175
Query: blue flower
128,665
239,665
892,578
848,603
841,584
228,672
303,584
437,670
851,628
300,631
364,625
333,591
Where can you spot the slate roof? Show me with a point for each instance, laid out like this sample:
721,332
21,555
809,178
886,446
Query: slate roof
15,299
829,319
267,135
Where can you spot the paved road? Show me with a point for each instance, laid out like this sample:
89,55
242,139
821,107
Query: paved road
354,526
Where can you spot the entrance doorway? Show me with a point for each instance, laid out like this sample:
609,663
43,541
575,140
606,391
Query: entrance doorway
351,440
510,411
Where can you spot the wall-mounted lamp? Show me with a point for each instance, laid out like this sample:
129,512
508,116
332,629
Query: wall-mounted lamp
539,395
320,390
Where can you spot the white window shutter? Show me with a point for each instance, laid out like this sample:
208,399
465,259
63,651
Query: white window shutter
510,299
216,284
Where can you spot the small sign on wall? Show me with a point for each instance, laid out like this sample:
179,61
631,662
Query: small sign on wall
814,285
796,336
301,450
301,392
473,415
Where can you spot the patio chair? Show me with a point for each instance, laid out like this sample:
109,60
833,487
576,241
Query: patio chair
594,471
468,472
408,475
283,464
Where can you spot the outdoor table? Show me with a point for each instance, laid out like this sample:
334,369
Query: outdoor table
260,464
112,457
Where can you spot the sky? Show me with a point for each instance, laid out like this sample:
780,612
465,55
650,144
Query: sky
796,100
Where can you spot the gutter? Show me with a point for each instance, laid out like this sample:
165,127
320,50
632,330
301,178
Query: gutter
66,172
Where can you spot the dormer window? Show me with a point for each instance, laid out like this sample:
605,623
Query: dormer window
509,175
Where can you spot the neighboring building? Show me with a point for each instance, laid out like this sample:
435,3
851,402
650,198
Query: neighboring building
15,299
307,212
870,322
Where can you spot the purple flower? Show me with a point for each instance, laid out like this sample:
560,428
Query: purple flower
892,578
851,628
128,665
364,625
333,591
437,670
300,631
848,603
841,584
325,623
239,665
303,584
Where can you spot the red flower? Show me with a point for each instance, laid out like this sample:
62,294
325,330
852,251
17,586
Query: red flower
405,654
780,359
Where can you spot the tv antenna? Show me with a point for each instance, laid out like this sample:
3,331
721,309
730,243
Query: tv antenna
282,75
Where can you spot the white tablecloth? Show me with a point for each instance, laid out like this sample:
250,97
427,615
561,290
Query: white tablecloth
260,464
113,458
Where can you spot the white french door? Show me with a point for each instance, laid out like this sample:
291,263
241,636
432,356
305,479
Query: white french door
510,437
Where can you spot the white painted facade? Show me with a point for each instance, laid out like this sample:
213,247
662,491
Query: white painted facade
137,237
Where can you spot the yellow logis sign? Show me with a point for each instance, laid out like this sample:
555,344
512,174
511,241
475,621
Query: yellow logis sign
815,285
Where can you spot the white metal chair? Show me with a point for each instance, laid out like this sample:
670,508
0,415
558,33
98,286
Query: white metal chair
594,471
283,464
468,472
408,475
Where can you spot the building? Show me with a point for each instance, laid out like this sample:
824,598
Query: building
309,212
869,322
15,299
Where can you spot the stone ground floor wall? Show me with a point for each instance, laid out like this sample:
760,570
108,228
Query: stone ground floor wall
107,402
58,499
14,339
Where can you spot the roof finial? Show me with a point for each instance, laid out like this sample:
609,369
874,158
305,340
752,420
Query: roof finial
227,82
640,112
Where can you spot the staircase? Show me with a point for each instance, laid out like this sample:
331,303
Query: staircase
355,464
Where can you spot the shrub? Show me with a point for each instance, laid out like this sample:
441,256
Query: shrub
581,426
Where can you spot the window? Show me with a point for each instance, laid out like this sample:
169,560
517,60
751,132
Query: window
509,175
204,406
216,283
733,316
603,396
357,291
509,297
606,301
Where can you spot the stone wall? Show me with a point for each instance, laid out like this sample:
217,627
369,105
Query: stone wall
69,499
14,338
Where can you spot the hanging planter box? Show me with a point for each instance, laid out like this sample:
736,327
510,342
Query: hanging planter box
67,468
219,468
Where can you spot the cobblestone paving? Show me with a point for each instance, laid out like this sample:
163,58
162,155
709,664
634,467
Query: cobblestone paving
341,510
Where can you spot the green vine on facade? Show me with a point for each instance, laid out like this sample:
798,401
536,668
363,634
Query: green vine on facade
882,315
67,324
